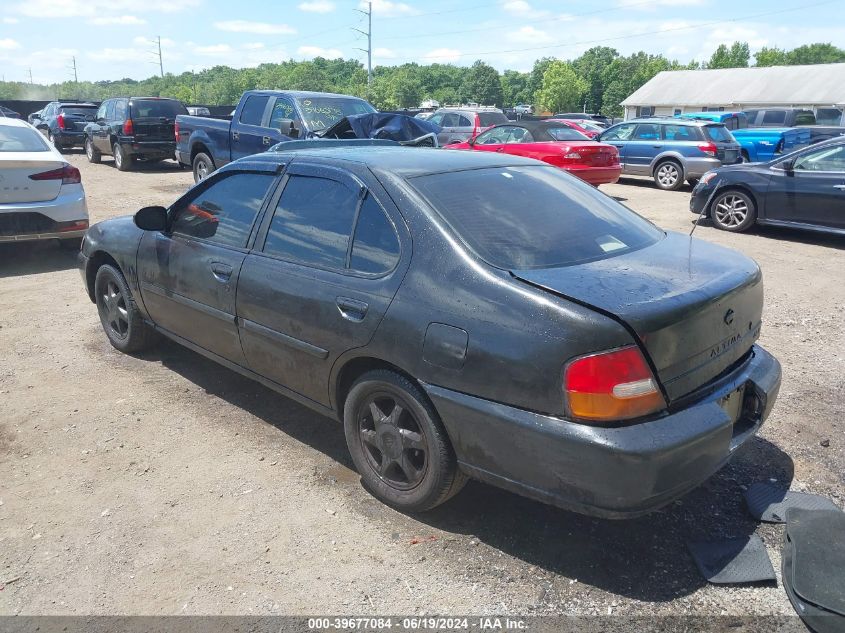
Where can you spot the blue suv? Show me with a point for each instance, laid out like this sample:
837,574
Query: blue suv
671,150
63,123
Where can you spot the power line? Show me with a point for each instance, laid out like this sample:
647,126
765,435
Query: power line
624,37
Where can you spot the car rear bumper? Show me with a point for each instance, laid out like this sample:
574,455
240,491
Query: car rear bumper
616,472
149,149
58,218
697,167
598,175
68,138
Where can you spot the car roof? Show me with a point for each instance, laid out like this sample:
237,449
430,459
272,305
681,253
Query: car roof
304,94
399,160
76,104
672,121
14,122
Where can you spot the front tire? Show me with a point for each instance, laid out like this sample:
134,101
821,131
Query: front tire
733,211
93,154
122,160
121,320
669,175
398,443
203,165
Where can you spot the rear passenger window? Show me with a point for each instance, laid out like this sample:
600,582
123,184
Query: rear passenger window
312,222
120,110
647,132
464,122
774,117
375,248
253,110
224,212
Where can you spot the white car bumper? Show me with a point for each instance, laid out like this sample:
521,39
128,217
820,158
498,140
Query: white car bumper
64,217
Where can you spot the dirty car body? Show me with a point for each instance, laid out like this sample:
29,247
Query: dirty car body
483,299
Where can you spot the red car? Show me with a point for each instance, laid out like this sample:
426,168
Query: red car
553,143
587,128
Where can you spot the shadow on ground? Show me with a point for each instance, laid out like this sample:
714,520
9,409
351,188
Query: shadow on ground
643,558
33,258
782,234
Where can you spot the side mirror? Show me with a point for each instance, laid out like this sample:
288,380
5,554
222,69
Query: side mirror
789,167
471,141
288,128
101,121
151,219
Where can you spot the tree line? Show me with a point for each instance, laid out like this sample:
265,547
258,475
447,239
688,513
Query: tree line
597,81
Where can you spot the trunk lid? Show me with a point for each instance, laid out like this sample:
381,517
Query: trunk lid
598,155
695,307
15,182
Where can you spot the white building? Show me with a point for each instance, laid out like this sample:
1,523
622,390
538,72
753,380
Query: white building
819,87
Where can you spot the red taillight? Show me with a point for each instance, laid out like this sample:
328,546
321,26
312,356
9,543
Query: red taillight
611,386
68,174
60,121
176,130
708,148
128,127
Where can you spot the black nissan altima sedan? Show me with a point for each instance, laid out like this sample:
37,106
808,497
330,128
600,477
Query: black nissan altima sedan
804,189
462,314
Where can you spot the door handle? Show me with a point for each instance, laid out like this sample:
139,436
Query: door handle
840,187
222,272
657,146
265,140
236,136
352,309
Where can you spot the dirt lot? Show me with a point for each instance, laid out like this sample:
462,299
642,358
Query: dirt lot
165,484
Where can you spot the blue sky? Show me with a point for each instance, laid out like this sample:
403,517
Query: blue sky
112,38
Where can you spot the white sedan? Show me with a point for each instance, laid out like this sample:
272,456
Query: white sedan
41,194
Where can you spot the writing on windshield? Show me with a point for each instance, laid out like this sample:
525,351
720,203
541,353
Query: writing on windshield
321,113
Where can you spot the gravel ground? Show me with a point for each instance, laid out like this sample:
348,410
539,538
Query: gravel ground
165,484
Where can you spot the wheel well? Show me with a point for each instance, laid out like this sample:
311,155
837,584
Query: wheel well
353,370
94,262
200,148
744,153
668,159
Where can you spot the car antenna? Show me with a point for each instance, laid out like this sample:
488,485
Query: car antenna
705,207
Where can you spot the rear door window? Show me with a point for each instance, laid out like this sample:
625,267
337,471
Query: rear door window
120,110
774,117
463,121
375,246
312,222
647,132
224,211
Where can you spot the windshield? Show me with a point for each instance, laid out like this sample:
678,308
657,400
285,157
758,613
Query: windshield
516,218
21,139
157,108
321,113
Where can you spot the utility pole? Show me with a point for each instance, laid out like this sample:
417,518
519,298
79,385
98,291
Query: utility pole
73,67
369,49
30,74
157,53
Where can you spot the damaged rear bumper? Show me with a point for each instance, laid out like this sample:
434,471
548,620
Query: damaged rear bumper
611,472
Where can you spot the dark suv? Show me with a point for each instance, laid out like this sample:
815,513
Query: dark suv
63,123
132,128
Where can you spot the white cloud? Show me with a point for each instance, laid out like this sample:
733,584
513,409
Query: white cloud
386,8
213,50
529,35
442,55
7,44
261,28
97,8
317,51
522,9
653,5
117,55
10,20
317,6
254,46
147,41
118,20
384,53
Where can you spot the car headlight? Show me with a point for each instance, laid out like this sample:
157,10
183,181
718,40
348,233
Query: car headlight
706,178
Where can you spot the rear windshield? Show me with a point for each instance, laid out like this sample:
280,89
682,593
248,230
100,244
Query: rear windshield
21,139
80,111
320,113
486,119
157,108
718,134
564,133
524,217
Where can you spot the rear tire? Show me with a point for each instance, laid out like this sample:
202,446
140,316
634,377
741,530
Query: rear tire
203,165
121,320
669,175
398,443
122,160
733,211
93,154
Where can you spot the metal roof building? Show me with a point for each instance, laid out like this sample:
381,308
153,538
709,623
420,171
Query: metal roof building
676,91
